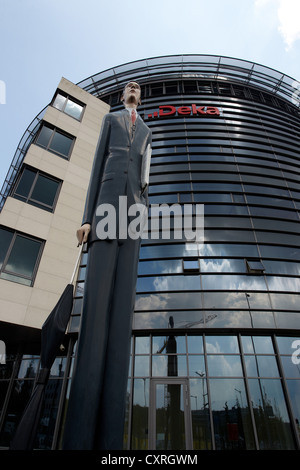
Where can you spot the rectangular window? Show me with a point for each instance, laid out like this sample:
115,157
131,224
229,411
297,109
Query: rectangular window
38,189
19,256
55,141
68,105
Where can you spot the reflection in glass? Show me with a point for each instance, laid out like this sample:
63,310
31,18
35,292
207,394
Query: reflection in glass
5,240
257,345
28,368
232,282
167,283
294,393
231,416
170,366
224,365
48,414
171,300
140,407
263,366
22,390
200,414
222,344
61,144
285,344
270,413
141,366
170,428
45,190
142,345
23,256
222,265
195,344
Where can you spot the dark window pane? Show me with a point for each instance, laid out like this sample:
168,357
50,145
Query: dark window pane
61,144
45,190
5,240
44,136
23,256
232,428
270,413
25,183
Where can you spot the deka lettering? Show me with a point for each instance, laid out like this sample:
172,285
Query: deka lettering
194,110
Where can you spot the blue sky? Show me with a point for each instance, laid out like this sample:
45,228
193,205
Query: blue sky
44,40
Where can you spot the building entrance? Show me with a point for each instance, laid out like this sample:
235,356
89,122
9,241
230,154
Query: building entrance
170,415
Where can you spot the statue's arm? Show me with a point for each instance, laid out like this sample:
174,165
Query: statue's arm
94,184
146,166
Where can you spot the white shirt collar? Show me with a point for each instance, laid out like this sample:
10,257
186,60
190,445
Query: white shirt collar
130,109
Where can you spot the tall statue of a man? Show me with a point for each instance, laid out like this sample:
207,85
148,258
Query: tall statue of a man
96,409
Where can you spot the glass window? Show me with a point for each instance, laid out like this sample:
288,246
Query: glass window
169,366
168,345
37,189
200,414
140,407
168,283
222,265
291,253
233,282
261,366
224,365
141,366
254,266
231,416
285,344
270,413
55,141
196,366
221,344
168,301
68,105
195,344
20,258
257,345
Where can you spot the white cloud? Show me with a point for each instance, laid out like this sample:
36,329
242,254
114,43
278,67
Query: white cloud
289,24
288,12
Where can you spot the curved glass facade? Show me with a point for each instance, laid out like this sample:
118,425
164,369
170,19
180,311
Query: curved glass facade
216,328
215,317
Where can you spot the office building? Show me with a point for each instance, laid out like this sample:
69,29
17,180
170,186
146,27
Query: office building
215,353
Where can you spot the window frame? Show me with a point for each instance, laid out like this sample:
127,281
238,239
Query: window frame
15,234
55,130
35,202
68,98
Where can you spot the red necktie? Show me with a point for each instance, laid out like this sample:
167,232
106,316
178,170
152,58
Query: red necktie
133,116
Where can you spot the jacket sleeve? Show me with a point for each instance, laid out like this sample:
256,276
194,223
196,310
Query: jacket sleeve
146,161
94,184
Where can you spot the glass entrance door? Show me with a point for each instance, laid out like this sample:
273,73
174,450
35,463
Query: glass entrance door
170,416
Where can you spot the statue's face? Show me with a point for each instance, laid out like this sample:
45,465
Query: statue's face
132,93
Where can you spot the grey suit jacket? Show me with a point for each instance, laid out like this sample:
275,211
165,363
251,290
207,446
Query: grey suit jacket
117,167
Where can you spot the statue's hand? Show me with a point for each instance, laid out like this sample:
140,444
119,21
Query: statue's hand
83,233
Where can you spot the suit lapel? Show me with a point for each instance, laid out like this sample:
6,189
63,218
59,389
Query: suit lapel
126,117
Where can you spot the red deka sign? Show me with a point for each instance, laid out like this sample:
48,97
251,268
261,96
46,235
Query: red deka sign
194,110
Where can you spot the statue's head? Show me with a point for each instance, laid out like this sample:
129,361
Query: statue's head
131,94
